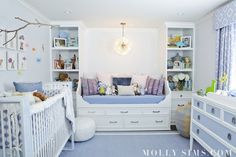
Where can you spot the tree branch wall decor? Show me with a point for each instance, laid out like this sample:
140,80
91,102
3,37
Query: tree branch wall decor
27,23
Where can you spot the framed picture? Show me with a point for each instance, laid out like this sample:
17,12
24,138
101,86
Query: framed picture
22,61
21,43
59,42
186,41
68,66
3,60
177,65
12,43
11,60
2,39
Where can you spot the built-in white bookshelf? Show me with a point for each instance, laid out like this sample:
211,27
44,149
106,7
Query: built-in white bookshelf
180,49
64,52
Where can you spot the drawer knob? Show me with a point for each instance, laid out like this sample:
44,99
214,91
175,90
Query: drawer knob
91,111
181,95
212,110
159,121
134,122
113,122
180,105
229,136
198,131
234,120
124,111
156,111
198,117
198,104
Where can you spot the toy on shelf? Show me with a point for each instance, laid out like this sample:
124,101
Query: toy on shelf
212,88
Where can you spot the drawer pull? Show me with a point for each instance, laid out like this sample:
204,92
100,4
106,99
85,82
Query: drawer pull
229,137
113,122
159,121
198,104
91,111
124,111
180,105
134,122
181,95
198,117
212,110
156,111
234,120
198,131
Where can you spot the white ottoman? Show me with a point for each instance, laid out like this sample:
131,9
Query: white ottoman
85,129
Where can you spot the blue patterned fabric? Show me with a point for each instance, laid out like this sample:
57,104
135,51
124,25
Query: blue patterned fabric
225,55
225,15
28,87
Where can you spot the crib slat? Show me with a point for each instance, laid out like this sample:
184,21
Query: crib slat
3,137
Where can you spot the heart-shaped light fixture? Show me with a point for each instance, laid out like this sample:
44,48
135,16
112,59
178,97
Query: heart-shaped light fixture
122,45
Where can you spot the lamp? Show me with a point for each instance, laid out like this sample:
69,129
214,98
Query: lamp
122,45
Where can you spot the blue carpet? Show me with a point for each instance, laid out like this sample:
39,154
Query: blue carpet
136,145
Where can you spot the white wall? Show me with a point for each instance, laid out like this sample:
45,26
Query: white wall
205,52
35,37
145,56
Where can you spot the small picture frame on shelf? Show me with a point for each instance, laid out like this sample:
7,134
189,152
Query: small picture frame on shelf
177,65
57,64
68,66
59,42
186,40
2,39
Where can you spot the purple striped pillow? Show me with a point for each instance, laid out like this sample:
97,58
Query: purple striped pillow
161,86
155,87
147,82
84,86
150,86
92,86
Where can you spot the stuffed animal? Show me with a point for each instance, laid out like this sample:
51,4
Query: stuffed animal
102,88
212,88
40,95
63,77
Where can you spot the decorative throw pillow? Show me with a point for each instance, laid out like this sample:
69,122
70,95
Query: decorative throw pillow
125,90
92,86
28,87
140,80
124,81
150,86
84,86
161,86
155,87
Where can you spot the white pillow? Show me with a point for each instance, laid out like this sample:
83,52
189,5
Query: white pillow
105,78
29,96
125,90
140,79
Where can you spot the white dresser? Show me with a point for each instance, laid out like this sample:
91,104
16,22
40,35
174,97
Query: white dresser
213,124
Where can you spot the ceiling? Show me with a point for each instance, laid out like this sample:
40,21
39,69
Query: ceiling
137,13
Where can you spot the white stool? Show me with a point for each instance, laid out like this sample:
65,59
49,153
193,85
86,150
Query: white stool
85,129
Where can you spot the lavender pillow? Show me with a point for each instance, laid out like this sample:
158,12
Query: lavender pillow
155,87
84,86
147,82
92,86
150,86
161,86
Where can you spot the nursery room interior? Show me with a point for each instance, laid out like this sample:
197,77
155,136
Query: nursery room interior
127,78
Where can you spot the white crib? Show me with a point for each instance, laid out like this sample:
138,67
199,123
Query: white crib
39,130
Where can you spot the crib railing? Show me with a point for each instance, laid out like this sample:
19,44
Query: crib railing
40,130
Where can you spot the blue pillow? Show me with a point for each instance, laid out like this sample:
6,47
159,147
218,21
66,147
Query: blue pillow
28,87
124,81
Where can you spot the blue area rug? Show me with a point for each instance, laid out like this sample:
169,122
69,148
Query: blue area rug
136,145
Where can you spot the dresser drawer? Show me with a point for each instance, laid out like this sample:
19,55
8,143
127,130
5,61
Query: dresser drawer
212,110
155,111
88,111
215,145
224,133
181,94
108,122
198,104
123,111
230,118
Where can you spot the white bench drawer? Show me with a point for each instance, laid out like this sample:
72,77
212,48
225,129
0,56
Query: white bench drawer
155,111
108,122
91,111
123,111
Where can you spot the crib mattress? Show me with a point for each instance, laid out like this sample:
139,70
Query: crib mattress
109,99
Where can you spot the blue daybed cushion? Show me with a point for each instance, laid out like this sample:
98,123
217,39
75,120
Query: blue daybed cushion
108,99
28,87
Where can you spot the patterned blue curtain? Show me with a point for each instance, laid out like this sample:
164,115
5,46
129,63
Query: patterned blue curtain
225,56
